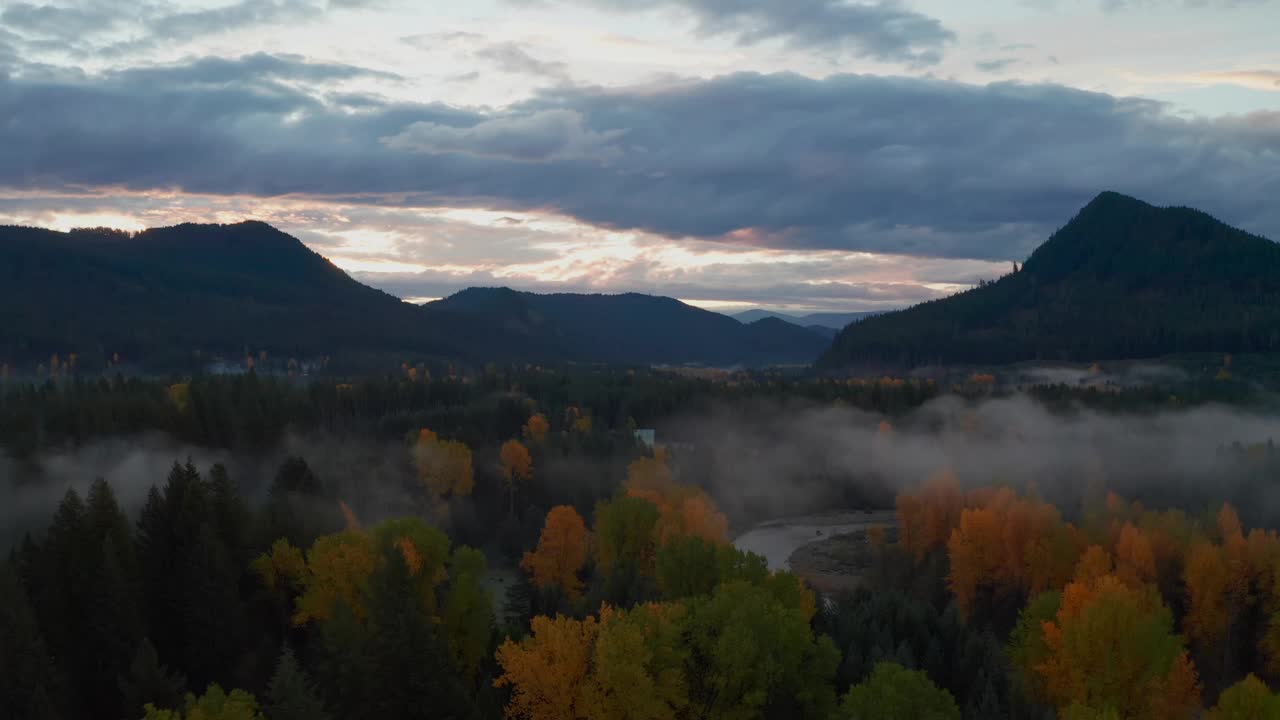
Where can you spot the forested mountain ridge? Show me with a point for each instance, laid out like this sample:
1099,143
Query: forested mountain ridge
168,297
1123,279
170,292
833,320
632,328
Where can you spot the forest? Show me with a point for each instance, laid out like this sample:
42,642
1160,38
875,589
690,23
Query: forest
501,543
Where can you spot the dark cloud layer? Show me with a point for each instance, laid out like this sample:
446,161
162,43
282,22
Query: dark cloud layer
923,167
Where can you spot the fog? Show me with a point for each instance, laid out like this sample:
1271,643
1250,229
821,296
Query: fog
759,461
772,460
373,478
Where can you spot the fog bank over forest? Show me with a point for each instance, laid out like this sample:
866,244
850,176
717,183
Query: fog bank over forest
783,459
30,492
760,461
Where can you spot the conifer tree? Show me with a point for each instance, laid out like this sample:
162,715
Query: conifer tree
290,695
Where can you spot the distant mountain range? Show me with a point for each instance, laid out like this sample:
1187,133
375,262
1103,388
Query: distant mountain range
1123,279
823,323
630,328
165,296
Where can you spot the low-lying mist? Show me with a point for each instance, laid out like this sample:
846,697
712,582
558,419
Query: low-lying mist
375,478
760,461
769,460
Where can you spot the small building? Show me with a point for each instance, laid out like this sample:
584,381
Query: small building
646,437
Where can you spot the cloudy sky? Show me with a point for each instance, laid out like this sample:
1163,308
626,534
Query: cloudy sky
792,154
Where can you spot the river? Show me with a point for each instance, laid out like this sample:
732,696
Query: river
777,539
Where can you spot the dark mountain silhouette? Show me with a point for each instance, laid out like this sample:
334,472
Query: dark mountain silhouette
172,296
1123,279
832,320
167,293
631,328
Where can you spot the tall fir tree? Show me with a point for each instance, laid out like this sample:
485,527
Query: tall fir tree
290,695
29,683
149,682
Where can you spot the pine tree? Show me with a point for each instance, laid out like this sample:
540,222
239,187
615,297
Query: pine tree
147,681
290,695
60,594
411,676
212,614
229,511
111,629
29,686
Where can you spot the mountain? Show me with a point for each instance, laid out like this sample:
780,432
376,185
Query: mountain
1123,279
834,321
164,293
163,297
631,328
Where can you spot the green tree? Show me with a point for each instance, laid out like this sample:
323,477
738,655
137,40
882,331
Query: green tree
752,655
29,687
212,613
625,548
896,693
147,681
468,612
290,695
687,566
410,675
1027,648
1249,699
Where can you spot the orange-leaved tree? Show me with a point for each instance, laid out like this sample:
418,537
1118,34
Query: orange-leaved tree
547,671
927,516
1010,546
561,552
1111,648
536,429
684,510
517,467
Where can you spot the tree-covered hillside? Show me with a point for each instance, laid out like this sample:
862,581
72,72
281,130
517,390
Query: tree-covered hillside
177,297
1123,279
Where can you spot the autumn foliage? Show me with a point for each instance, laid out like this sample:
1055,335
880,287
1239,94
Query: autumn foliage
536,429
1112,647
684,510
561,552
444,466
517,467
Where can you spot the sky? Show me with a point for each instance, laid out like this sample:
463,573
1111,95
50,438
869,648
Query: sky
796,155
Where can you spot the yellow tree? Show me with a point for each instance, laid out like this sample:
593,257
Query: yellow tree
215,704
180,395
547,671
517,467
338,569
444,466
636,665
561,552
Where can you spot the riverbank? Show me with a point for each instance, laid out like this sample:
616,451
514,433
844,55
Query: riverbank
778,540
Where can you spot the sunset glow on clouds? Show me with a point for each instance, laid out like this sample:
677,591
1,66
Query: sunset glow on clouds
800,155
